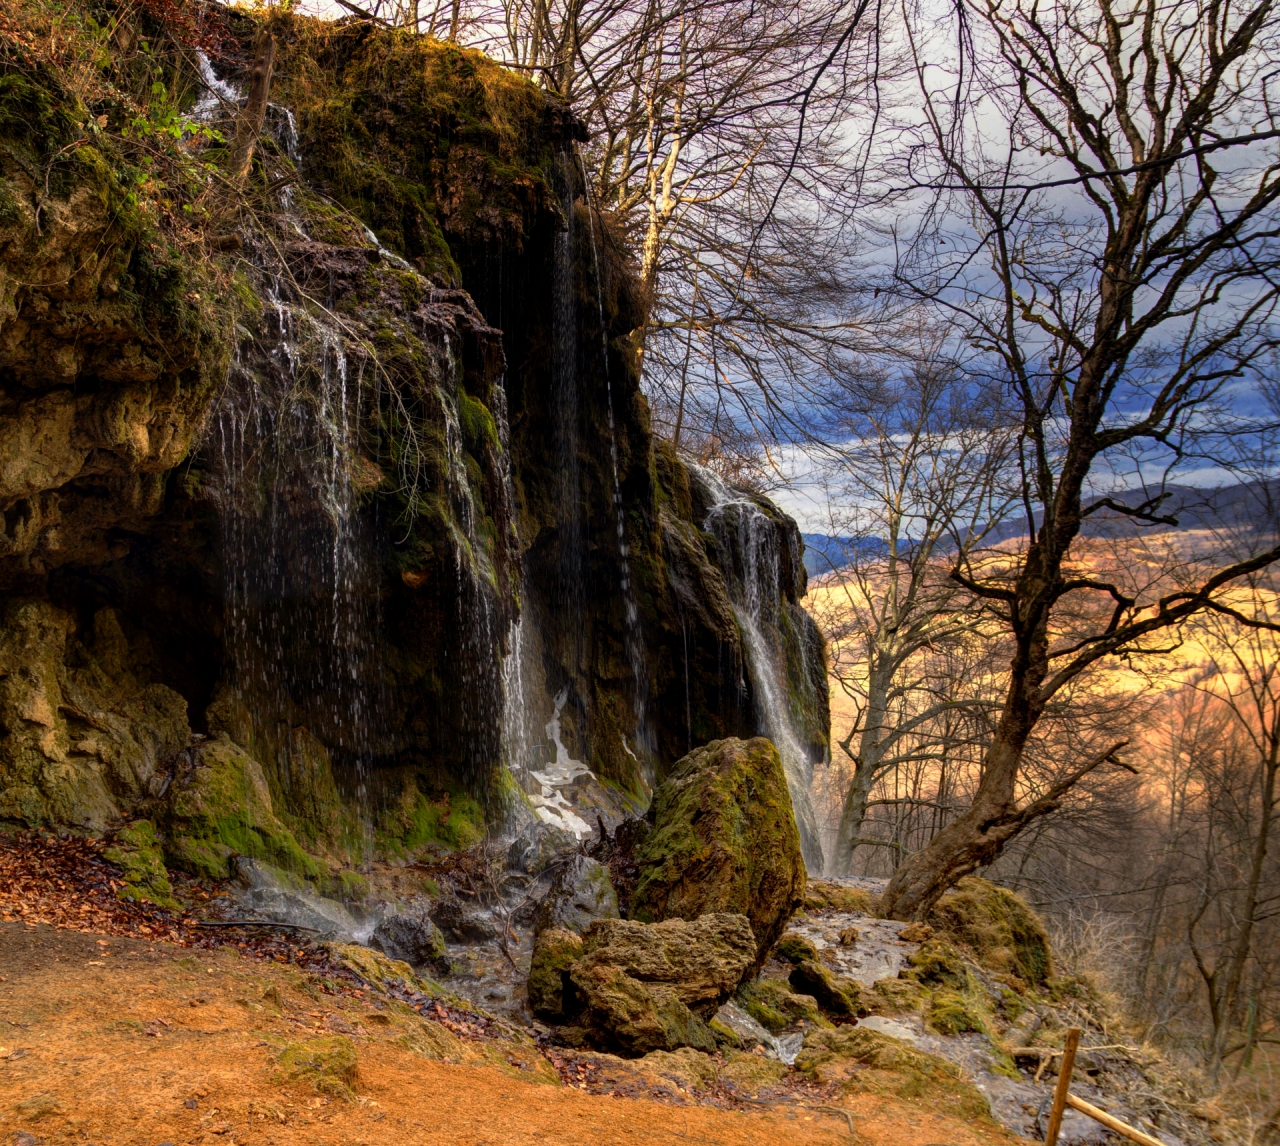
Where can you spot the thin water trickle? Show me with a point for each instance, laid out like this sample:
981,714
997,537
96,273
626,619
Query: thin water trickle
634,642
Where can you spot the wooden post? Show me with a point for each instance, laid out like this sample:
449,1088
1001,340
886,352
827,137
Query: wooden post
1064,1084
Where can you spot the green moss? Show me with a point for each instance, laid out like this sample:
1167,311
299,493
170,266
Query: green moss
937,964
724,839
419,138
478,427
348,886
950,1013
223,810
997,928
892,996
775,1006
136,851
795,949
329,1064
416,824
868,1062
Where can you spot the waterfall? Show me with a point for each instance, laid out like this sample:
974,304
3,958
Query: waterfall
752,566
301,601
634,643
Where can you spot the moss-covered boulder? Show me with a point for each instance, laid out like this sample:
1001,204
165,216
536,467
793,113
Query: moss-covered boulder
724,839
775,1006
951,1013
795,949
997,928
894,996
835,994
643,987
136,851
554,954
221,809
750,1072
636,1017
870,1062
329,1064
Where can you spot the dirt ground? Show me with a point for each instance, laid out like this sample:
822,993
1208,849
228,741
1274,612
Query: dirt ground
121,1042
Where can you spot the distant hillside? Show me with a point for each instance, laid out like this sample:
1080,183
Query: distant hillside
1253,506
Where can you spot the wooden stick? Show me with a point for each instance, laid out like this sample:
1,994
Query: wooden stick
1111,1122
1064,1085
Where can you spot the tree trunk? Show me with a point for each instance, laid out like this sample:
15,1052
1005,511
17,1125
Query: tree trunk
1249,916
249,121
977,837
865,767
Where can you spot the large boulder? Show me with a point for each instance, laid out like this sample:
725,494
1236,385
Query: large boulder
412,936
550,989
640,987
580,894
724,840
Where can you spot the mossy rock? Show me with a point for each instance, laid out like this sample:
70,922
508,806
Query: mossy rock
835,994
690,1069
936,963
726,1036
997,928
136,851
222,809
430,1040
796,949
775,1006
724,839
869,1062
821,895
417,824
554,953
950,1013
329,1064
750,1072
387,975
894,996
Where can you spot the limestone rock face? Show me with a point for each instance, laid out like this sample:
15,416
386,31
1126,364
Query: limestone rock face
581,894
106,380
724,839
81,740
645,987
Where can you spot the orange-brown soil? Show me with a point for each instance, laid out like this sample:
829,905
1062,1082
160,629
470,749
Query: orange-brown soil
118,1041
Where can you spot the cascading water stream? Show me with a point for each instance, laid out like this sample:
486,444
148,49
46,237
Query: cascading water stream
750,543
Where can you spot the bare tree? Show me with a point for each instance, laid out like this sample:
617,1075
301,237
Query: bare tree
1083,244
1245,681
919,468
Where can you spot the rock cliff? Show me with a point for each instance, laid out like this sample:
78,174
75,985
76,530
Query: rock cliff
347,469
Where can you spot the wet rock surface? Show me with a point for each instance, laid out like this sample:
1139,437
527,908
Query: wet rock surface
413,937
580,894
